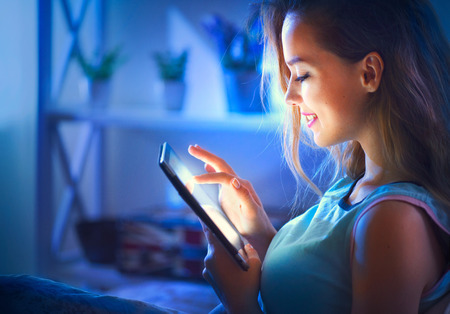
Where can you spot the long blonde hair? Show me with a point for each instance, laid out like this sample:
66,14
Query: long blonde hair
411,106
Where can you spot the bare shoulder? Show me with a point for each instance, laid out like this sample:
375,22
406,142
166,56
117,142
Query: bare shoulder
398,215
392,228
396,258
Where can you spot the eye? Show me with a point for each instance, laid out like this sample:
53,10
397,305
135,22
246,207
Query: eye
302,78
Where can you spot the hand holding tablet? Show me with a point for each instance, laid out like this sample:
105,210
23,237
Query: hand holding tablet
206,206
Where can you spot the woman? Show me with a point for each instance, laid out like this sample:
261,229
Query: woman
370,80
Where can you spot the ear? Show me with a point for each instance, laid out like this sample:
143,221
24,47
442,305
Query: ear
372,71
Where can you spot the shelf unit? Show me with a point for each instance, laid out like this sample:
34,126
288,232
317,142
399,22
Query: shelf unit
53,220
51,79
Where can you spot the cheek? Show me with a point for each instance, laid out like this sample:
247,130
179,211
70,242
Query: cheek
320,97
336,95
334,106
341,94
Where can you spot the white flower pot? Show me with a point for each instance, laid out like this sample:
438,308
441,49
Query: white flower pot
99,92
173,93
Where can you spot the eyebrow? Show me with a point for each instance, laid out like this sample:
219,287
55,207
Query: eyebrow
295,60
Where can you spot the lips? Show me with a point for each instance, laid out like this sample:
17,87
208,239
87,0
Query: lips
310,118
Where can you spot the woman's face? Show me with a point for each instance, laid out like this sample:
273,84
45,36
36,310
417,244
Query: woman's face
327,89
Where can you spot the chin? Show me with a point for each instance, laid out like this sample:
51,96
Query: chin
321,142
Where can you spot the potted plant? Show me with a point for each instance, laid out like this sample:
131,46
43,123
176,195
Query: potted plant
172,68
241,54
99,73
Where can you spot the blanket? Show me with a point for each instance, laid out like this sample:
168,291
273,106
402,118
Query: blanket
29,294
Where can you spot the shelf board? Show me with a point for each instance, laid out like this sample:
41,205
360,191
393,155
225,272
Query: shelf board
143,118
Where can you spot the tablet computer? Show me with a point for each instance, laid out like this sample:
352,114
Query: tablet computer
203,203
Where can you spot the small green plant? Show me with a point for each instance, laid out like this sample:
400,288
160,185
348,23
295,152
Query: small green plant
104,68
171,66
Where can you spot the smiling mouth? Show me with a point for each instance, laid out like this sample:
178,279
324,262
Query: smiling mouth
310,119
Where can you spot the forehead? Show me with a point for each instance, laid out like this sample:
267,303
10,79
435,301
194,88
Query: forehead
298,39
290,22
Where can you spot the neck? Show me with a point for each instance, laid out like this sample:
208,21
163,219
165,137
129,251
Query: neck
378,172
375,175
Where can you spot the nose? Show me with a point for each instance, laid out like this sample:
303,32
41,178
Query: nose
292,96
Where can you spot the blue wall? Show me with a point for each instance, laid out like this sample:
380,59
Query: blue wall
18,72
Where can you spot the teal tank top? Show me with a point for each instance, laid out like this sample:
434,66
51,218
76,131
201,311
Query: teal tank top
307,268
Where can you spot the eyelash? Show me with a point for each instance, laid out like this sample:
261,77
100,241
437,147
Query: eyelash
302,78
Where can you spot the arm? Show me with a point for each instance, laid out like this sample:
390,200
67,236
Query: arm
237,289
396,258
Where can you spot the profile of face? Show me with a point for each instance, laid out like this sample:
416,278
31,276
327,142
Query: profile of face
331,92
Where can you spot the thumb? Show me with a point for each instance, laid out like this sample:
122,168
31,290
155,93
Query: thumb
252,256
